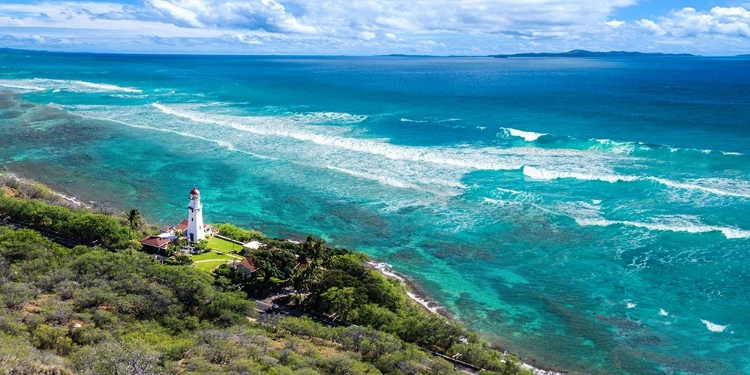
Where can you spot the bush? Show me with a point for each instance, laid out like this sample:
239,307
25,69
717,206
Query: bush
238,234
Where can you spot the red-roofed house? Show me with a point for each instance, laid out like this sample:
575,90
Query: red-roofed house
246,266
155,243
182,226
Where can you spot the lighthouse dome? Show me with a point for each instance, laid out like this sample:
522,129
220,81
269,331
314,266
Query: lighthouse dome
194,194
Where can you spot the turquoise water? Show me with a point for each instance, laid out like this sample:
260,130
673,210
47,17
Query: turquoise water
589,214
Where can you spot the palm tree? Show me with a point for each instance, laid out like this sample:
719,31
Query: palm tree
134,219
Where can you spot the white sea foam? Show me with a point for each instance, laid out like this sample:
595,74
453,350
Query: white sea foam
57,85
714,327
329,117
732,153
617,147
460,158
511,191
738,188
722,187
509,195
678,223
387,270
19,87
380,179
663,312
494,201
631,305
425,303
219,142
128,96
410,120
528,136
596,201
543,174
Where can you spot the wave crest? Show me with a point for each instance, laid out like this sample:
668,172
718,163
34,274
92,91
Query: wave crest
526,135
544,174
672,224
56,85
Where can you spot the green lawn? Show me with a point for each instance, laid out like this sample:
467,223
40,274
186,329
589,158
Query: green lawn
212,259
223,245
212,255
209,265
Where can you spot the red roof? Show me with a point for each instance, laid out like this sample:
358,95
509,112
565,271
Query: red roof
182,226
155,241
195,191
248,266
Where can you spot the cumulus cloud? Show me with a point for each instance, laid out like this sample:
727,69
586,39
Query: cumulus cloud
651,26
370,26
689,22
367,35
267,15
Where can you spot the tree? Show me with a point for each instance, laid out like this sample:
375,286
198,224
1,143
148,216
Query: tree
202,246
134,219
114,358
340,301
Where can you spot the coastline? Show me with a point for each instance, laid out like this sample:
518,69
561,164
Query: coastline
424,301
23,185
27,188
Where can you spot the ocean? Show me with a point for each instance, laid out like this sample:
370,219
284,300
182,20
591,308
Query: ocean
588,214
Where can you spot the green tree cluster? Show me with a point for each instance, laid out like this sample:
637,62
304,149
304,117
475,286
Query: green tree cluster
79,225
354,292
238,234
341,285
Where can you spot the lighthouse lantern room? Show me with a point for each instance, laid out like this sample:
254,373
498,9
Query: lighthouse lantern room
195,228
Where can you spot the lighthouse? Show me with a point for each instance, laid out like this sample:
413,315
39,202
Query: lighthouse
195,228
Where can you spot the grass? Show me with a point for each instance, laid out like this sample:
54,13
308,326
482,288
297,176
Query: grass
222,252
209,265
212,255
223,245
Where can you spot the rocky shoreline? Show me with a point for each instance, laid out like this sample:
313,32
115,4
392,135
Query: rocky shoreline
423,300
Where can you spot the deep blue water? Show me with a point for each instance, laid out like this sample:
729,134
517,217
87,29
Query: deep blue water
589,214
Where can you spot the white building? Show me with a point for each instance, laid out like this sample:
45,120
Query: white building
195,228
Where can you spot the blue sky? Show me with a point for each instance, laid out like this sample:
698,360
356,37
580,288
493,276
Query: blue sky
368,27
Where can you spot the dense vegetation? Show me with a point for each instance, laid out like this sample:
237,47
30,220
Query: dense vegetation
115,310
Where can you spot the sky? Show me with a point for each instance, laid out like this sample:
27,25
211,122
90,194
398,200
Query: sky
375,27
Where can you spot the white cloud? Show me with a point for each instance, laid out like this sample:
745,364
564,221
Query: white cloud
178,11
367,35
267,15
689,22
250,40
368,26
651,26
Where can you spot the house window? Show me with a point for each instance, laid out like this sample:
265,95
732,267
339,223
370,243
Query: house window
191,219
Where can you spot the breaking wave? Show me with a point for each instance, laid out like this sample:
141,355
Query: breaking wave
722,187
714,327
329,117
57,85
673,224
528,136
603,145
544,174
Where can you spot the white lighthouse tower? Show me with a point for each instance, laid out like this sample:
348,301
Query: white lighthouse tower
195,229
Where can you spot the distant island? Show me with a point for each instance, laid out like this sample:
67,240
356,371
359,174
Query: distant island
584,53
